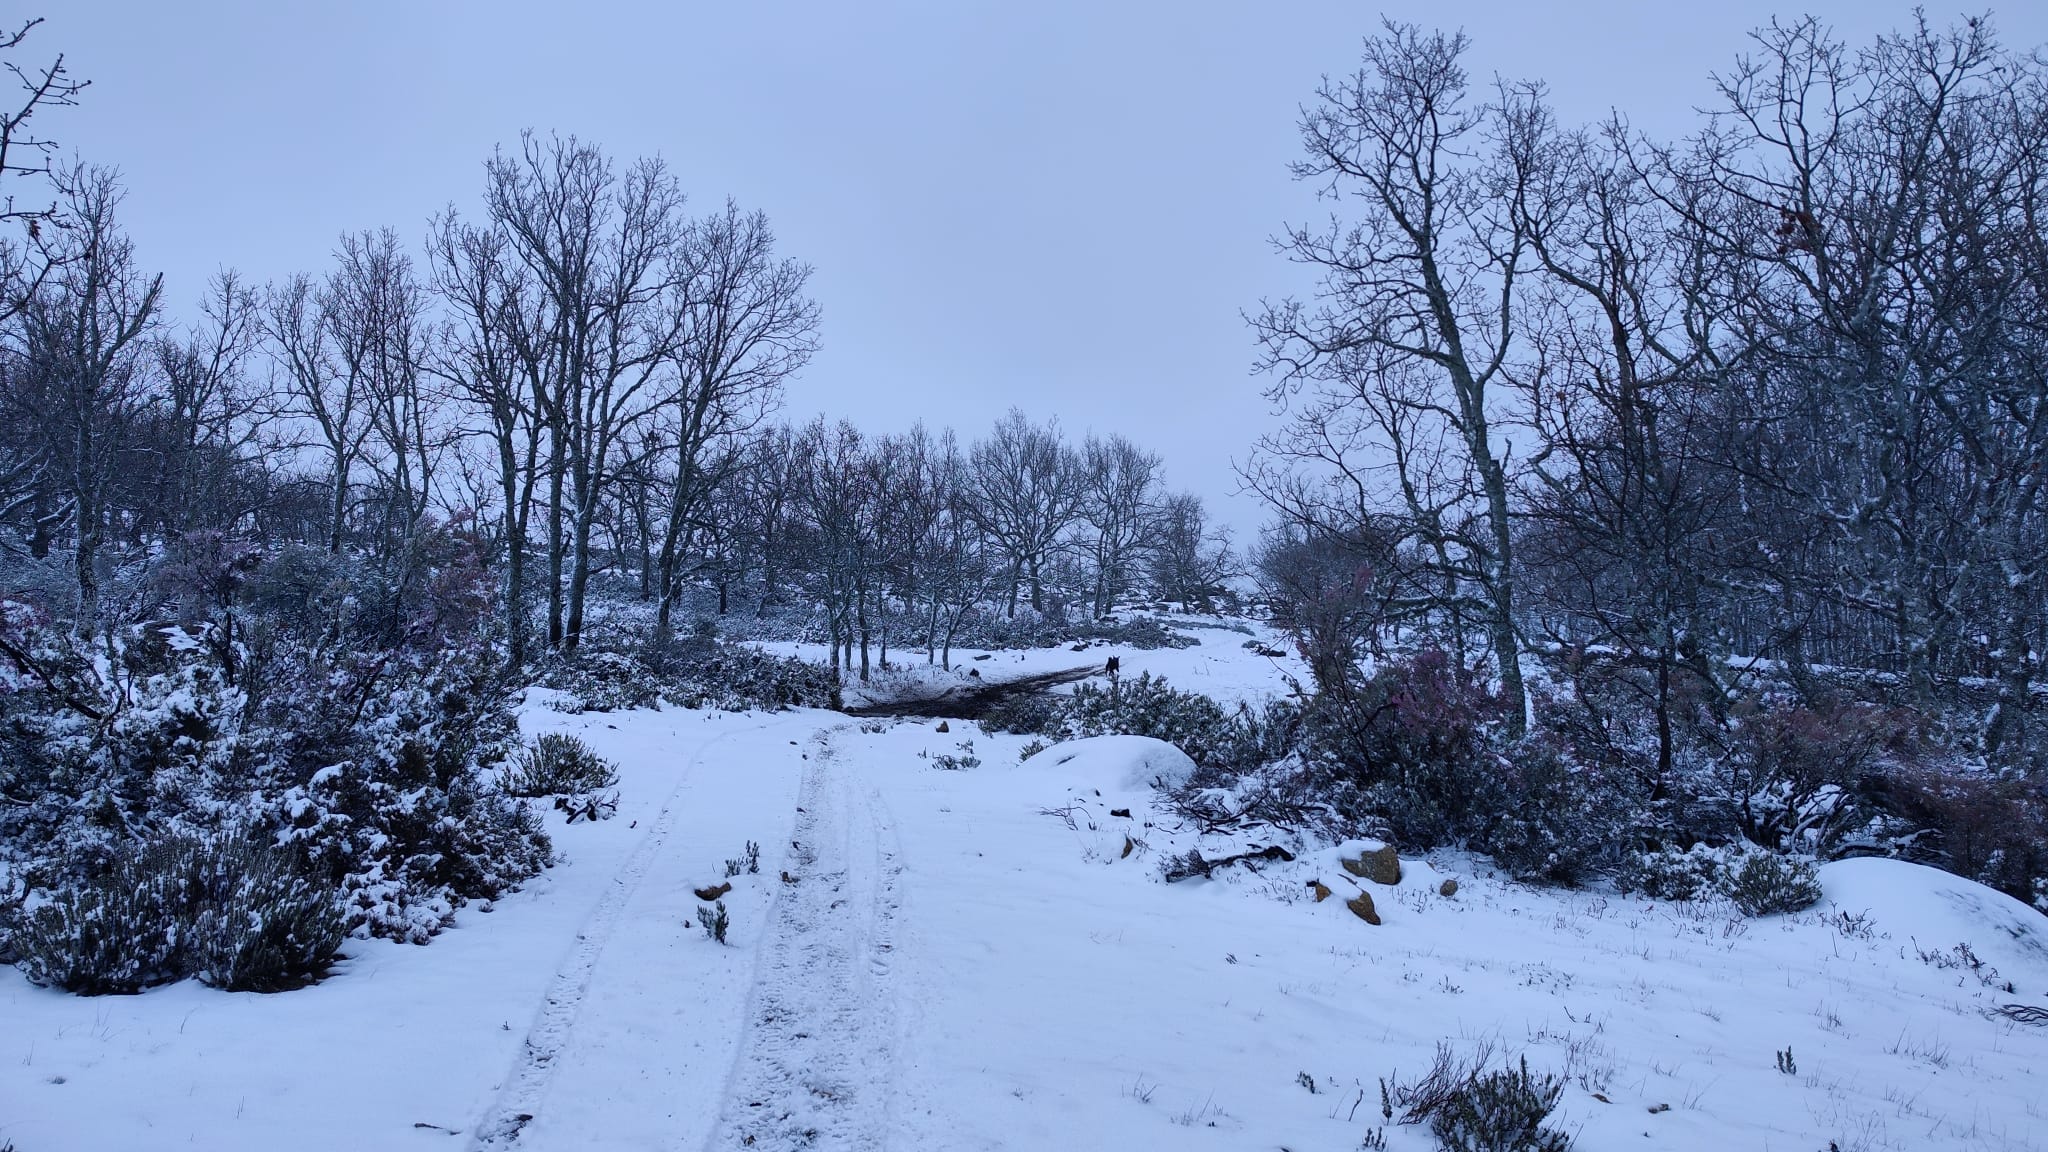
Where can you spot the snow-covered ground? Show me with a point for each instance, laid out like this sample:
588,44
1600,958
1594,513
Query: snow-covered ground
971,960
1220,666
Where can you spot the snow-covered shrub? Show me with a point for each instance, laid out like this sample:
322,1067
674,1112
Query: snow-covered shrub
1472,1107
110,932
1501,1111
1801,777
715,921
398,804
1148,706
739,677
1767,884
604,682
255,920
1407,754
1670,873
1547,819
960,761
1025,714
1219,740
693,674
238,915
558,764
12,892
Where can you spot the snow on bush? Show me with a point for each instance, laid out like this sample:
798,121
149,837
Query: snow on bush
727,677
1766,884
558,764
239,915
375,766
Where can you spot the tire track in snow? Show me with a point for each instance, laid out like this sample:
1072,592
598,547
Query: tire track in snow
815,1066
520,1093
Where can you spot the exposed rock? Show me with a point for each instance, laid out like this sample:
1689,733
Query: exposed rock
1128,845
944,727
715,892
1321,890
1381,866
1447,888
1361,907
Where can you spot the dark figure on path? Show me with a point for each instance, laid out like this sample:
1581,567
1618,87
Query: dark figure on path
1114,666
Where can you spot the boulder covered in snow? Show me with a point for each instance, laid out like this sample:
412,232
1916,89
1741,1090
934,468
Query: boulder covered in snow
1117,763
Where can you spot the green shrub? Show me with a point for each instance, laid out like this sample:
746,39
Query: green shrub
1501,1111
1767,884
238,915
110,934
559,765
269,929
715,920
1669,874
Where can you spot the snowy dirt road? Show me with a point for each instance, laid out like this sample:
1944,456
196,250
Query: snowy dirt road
984,957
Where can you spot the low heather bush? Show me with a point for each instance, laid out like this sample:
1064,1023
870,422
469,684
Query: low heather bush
557,764
238,915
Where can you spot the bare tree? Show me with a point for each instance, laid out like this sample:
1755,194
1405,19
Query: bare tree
744,326
1190,560
486,293
602,248
1415,319
1121,497
1027,491
85,332
315,387
208,415
376,314
1889,201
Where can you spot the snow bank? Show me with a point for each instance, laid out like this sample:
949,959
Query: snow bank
1117,763
1938,911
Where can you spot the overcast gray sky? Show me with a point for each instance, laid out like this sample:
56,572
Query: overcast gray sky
1056,204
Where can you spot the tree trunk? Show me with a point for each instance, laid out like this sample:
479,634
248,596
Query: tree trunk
555,556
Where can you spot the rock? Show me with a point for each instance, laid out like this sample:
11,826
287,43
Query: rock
944,727
1123,812
1447,888
1128,845
1361,907
1381,866
1321,890
714,893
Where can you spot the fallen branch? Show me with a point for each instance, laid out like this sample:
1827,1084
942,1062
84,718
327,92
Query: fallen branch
2024,1013
1193,864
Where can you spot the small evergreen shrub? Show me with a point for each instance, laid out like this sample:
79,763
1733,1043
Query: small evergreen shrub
1546,819
1471,1109
1671,874
748,861
109,934
238,915
268,927
559,765
964,759
1501,1111
1767,884
1149,706
1029,714
714,920
700,673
